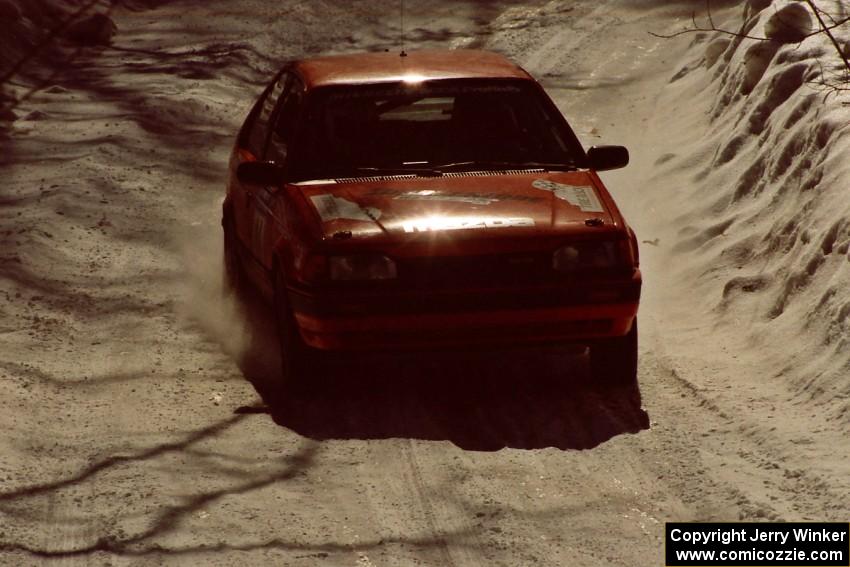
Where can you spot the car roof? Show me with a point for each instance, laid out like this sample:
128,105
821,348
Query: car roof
380,67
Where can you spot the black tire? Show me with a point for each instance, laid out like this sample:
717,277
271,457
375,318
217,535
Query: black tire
234,275
298,362
614,361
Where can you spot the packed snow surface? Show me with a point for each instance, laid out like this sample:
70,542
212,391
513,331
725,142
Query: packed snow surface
134,429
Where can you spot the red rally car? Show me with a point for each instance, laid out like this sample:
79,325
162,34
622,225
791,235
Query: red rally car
423,200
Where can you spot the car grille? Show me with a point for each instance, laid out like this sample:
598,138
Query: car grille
477,271
512,334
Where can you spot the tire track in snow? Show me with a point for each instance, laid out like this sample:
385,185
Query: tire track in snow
552,34
756,471
418,486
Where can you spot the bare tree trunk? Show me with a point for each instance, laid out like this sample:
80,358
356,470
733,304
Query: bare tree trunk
825,29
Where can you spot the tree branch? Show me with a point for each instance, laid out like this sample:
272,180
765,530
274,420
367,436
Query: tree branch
713,28
828,32
823,28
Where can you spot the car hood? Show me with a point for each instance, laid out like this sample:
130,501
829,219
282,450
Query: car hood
467,204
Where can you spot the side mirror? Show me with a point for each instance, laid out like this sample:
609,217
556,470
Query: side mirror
602,158
260,173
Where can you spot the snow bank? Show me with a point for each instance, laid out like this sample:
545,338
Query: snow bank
790,24
766,228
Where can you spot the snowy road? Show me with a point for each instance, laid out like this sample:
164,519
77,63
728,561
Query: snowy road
134,431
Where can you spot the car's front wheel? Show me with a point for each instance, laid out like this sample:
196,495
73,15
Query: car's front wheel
298,364
615,361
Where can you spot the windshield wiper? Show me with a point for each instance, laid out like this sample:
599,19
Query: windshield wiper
439,170
481,164
397,170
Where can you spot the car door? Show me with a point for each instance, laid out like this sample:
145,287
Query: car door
267,226
251,145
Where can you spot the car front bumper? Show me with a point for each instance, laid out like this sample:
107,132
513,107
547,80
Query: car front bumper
351,320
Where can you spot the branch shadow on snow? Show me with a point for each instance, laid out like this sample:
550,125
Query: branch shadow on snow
314,551
126,77
238,477
487,399
167,514
112,461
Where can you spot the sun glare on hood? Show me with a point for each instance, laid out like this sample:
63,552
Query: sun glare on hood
435,223
413,78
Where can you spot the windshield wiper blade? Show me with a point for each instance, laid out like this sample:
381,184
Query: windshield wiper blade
506,165
438,170
399,170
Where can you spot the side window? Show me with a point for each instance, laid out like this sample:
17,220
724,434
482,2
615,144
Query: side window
285,121
248,125
258,134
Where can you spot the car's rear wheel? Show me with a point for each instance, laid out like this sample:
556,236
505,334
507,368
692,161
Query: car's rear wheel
234,275
298,364
614,361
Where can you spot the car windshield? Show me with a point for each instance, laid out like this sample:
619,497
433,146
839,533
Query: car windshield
432,128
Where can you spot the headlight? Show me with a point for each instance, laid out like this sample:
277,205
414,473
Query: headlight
588,255
361,267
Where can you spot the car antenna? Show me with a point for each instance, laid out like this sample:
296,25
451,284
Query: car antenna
403,52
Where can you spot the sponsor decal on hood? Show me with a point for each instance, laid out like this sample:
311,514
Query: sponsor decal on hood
582,196
331,207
